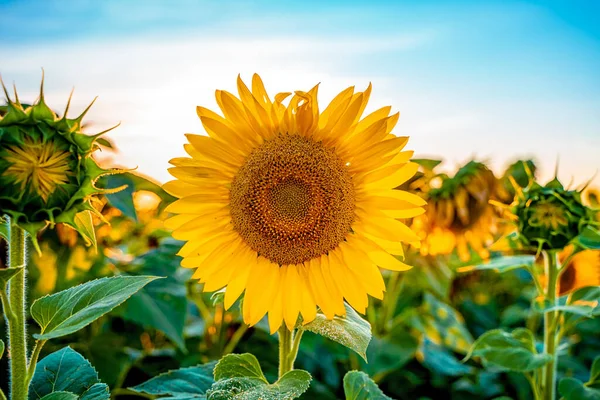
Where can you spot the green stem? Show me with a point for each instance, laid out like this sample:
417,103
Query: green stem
2,395
295,347
285,347
551,264
534,386
16,325
34,359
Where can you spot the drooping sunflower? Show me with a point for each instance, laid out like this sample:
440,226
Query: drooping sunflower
459,216
293,206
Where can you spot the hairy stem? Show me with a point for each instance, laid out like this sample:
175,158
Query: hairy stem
34,359
552,273
16,325
285,347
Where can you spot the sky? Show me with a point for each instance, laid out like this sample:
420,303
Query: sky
491,81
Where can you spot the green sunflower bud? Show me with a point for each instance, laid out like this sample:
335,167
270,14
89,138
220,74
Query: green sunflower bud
549,217
47,174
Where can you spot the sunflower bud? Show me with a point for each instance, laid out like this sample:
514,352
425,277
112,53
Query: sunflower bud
47,174
549,217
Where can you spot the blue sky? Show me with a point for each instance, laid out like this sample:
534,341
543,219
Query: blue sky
490,80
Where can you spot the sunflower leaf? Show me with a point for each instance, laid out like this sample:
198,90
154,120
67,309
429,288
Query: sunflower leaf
60,396
589,239
184,383
503,264
574,389
1,348
585,299
514,351
238,366
358,386
7,274
351,331
290,386
68,311
66,371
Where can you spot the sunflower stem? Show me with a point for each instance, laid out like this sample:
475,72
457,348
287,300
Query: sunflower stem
16,325
551,265
285,348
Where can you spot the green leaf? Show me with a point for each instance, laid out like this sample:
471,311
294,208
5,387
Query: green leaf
358,386
122,200
589,239
6,274
65,371
503,264
574,389
1,348
161,305
68,311
513,351
238,365
217,297
85,226
351,331
585,299
4,228
436,358
184,383
60,396
444,325
98,391
290,386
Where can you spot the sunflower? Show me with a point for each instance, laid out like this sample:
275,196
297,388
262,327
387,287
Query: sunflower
47,172
459,216
293,206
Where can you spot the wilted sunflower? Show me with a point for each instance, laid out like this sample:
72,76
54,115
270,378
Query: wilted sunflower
459,215
292,205
47,174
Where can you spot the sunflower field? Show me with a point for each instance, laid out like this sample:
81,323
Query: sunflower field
299,251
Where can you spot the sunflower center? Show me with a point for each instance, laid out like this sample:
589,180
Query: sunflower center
292,200
38,167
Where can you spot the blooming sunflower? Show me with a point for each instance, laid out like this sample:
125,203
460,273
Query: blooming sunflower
293,206
459,215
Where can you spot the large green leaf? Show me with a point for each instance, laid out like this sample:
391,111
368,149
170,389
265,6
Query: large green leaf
574,389
68,311
358,386
6,274
239,377
180,384
503,264
66,371
514,351
351,331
